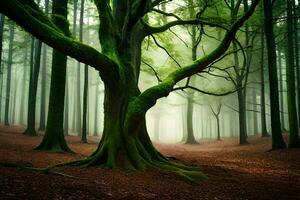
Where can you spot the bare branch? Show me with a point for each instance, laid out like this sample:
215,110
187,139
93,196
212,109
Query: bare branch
165,50
154,71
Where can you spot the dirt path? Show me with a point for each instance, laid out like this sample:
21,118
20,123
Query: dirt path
235,172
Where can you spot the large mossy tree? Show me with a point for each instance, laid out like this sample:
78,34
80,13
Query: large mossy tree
125,141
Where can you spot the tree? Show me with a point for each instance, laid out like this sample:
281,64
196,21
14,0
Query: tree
85,84
216,115
43,80
9,65
277,139
125,141
53,139
1,65
264,132
290,79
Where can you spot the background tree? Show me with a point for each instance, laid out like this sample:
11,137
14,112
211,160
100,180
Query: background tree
290,78
277,139
53,139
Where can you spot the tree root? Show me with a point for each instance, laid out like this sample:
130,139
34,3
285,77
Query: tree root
29,166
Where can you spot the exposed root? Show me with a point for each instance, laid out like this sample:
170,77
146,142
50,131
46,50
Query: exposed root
29,166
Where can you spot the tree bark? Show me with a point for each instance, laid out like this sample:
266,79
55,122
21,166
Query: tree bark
264,132
42,125
1,65
281,91
53,139
9,66
277,139
294,141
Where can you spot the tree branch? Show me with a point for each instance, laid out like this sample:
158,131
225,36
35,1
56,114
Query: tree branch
28,16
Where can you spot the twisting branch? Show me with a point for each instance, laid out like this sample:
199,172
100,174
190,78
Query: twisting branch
141,104
184,42
32,19
154,71
166,14
154,39
202,91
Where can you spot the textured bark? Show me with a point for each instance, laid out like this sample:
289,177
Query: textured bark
290,80
277,139
8,79
53,139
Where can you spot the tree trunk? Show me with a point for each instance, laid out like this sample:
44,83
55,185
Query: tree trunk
277,139
54,136
1,65
8,79
96,122
85,84
33,84
85,102
24,86
281,92
264,132
297,61
255,125
43,81
290,79
190,126
242,116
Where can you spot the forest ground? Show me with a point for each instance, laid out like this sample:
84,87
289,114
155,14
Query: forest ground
235,172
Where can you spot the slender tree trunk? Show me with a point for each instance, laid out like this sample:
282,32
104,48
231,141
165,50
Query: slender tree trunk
297,61
242,115
1,65
96,111
281,92
190,126
218,128
78,79
33,84
277,139
54,136
74,117
24,86
290,79
85,99
43,81
264,132
9,66
255,125
85,84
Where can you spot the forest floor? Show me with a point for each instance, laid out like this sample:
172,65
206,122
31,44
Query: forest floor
235,172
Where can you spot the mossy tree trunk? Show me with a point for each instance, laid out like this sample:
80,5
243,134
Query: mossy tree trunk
290,79
53,139
277,139
125,141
